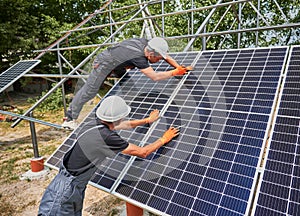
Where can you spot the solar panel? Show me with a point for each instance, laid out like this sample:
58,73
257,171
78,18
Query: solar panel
224,108
279,191
11,75
210,169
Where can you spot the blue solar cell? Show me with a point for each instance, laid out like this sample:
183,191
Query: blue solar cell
227,212
234,204
192,178
261,110
239,180
209,196
278,146
243,170
251,141
263,211
279,167
230,138
175,209
246,159
183,200
293,209
141,196
204,207
163,192
196,168
295,193
254,133
147,187
277,178
231,147
282,157
187,188
217,174
224,155
213,185
158,203
275,190
238,192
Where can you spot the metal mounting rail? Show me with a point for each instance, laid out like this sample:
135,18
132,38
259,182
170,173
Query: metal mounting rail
31,119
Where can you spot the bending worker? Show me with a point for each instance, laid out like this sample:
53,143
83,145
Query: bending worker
94,142
130,53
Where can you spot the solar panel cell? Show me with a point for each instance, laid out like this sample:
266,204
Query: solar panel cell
234,204
204,207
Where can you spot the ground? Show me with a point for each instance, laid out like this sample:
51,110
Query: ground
22,197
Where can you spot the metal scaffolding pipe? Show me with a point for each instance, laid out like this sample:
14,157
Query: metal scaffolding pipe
292,25
167,14
239,25
259,14
282,13
257,23
69,32
219,22
202,26
132,5
56,76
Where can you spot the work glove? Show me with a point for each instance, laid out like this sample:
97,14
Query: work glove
154,115
169,135
181,70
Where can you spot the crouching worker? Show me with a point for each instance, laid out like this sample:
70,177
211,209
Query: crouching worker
94,142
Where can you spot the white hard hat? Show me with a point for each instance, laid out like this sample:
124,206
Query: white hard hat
159,45
112,108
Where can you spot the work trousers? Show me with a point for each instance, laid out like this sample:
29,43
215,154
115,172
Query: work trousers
64,195
102,67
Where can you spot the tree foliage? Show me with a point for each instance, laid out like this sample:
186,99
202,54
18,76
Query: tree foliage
26,26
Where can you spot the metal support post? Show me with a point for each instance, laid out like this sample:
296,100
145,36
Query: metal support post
33,137
62,86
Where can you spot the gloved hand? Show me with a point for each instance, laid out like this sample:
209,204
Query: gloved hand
181,70
154,115
169,135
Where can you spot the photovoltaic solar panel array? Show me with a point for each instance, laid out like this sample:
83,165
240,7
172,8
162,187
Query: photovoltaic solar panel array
224,107
15,72
279,192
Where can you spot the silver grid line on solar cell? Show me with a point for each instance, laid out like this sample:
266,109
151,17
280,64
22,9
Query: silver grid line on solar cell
226,104
15,72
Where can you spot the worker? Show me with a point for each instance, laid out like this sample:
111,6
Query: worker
128,54
95,141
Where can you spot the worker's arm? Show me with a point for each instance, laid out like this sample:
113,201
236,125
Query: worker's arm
144,151
172,61
154,115
157,76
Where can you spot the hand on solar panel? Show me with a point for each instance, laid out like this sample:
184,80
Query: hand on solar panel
154,115
181,70
146,150
169,135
